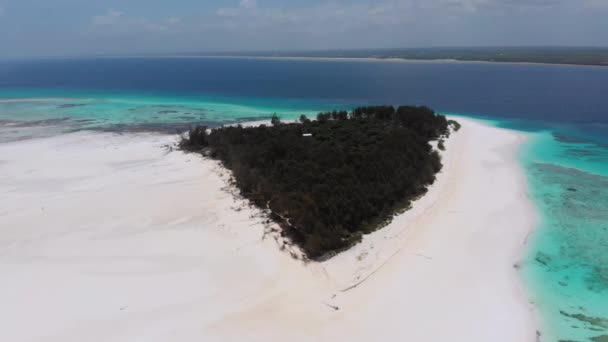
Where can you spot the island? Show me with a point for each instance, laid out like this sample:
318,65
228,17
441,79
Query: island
572,55
330,180
133,237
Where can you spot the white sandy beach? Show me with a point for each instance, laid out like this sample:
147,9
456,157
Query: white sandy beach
366,60
107,237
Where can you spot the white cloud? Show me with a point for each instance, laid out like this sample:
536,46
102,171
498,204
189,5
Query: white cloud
251,24
114,21
107,19
338,16
596,4
174,20
248,4
245,6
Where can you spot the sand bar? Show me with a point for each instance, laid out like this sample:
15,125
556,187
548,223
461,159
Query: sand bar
107,237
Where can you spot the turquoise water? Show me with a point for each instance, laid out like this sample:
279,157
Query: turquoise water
562,109
566,267
60,111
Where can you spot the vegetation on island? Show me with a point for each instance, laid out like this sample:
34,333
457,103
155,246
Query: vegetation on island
330,180
575,55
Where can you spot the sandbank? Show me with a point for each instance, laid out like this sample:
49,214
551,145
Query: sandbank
108,237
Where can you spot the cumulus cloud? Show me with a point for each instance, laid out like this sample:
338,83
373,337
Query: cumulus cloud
370,22
117,21
107,19
249,16
330,23
248,4
597,4
325,16
343,16
244,7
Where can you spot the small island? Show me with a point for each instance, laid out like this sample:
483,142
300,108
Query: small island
329,181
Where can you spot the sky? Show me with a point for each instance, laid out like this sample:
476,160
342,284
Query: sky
35,28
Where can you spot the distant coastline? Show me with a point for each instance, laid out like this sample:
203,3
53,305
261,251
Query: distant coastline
364,60
582,56
565,56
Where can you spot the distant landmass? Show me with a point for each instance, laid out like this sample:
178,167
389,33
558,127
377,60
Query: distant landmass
547,55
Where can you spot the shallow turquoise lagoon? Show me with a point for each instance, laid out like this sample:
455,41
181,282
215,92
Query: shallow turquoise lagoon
64,111
566,267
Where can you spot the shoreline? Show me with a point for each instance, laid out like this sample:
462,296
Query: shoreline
364,59
410,239
134,241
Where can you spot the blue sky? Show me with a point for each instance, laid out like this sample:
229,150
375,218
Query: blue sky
76,27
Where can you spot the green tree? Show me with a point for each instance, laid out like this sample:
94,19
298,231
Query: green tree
275,120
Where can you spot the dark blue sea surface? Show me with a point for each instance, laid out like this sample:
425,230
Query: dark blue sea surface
565,93
563,109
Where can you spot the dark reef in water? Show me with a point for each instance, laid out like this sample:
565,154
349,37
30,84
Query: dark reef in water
578,215
328,181
153,127
598,322
71,105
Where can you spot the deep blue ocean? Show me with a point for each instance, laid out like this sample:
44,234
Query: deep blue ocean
564,110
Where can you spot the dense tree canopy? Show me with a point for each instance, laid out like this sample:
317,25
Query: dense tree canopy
329,181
